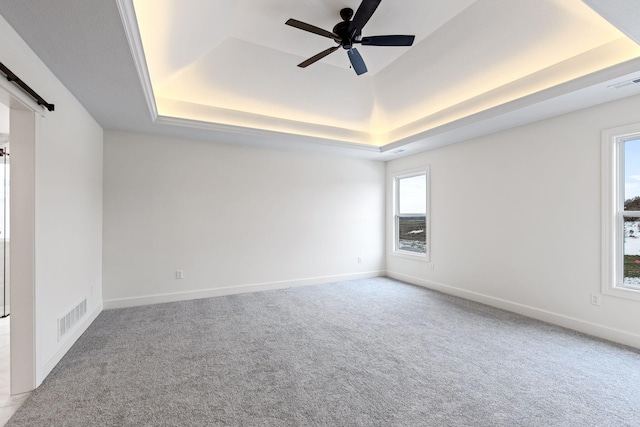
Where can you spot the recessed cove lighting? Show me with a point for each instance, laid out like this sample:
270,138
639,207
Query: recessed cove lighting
231,66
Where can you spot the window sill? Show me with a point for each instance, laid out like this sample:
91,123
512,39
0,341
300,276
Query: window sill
620,292
411,256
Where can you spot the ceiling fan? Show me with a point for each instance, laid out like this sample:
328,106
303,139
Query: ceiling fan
348,32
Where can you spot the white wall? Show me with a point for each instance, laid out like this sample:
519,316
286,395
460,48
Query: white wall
4,119
516,221
68,203
235,219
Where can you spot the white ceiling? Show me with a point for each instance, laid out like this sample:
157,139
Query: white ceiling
226,71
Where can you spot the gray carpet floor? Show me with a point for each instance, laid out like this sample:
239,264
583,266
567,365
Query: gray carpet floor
361,353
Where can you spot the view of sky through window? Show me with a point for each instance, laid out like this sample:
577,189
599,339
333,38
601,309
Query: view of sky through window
413,192
631,169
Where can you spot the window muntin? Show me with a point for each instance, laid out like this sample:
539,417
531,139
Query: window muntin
410,218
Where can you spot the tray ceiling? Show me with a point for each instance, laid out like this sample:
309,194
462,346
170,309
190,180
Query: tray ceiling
233,64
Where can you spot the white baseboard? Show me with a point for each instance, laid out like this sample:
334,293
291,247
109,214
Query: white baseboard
590,328
68,342
231,290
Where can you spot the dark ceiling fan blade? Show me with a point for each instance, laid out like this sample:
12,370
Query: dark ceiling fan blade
388,40
356,61
312,29
318,57
362,16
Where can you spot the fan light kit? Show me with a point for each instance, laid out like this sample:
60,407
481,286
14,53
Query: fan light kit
349,32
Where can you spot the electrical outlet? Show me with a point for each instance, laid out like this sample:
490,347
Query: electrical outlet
179,274
432,267
359,260
595,299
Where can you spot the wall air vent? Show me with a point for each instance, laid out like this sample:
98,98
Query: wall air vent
625,83
66,322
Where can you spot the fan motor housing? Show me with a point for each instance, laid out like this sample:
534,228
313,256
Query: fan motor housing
342,28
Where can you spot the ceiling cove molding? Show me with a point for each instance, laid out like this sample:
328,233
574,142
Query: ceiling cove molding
454,118
256,132
547,103
518,94
130,23
220,117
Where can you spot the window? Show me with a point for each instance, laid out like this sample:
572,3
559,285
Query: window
411,227
631,214
621,212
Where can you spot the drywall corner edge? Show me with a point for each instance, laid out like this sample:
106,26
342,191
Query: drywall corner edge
55,358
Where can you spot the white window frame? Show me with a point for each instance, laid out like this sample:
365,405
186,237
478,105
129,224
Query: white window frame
612,210
395,177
